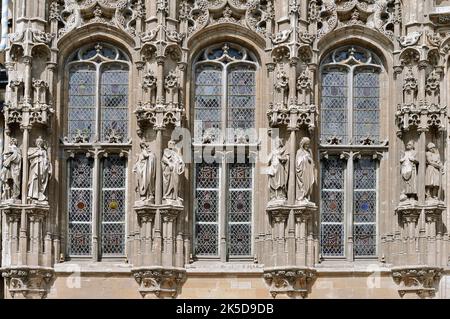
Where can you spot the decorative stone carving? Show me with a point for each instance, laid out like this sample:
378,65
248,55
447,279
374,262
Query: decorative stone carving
291,281
420,116
162,282
259,16
28,282
11,172
145,172
410,39
305,172
40,171
376,14
281,36
278,172
282,88
421,280
434,170
173,166
409,164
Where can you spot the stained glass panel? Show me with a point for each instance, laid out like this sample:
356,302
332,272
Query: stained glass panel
240,207
81,103
208,102
207,209
332,207
366,106
334,106
114,103
113,205
364,207
241,100
80,207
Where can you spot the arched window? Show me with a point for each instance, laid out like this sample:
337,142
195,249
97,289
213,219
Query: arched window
224,114
97,132
350,140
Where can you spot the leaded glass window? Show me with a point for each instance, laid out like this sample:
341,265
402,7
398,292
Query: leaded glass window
333,209
97,132
225,87
350,97
365,207
351,147
98,95
224,114
80,206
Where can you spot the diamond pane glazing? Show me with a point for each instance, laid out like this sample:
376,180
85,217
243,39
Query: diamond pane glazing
207,209
241,98
114,103
366,106
334,106
208,100
365,207
81,102
240,208
332,207
113,205
80,206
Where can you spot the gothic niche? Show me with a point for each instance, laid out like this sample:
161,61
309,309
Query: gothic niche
306,174
278,172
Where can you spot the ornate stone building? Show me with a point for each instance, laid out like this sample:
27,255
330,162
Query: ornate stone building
225,148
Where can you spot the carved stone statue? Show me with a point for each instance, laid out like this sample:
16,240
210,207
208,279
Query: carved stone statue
40,171
433,173
305,172
278,171
173,166
11,171
145,171
409,173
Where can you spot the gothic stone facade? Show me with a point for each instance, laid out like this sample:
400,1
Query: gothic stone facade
226,148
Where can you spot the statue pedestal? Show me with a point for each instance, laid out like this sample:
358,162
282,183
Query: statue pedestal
160,260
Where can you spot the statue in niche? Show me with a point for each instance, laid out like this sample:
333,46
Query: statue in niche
173,166
11,171
40,171
145,171
408,170
305,172
278,171
433,172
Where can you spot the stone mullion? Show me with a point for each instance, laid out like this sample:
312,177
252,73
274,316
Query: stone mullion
96,196
349,207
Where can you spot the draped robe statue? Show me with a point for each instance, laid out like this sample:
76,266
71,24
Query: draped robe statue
11,171
433,173
173,166
40,171
145,172
409,173
305,172
278,172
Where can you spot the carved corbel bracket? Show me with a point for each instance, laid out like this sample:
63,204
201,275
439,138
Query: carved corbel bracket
28,282
292,281
420,280
296,117
159,115
162,282
409,212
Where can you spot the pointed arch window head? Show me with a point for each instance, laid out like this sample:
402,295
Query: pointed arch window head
225,94
98,95
350,97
